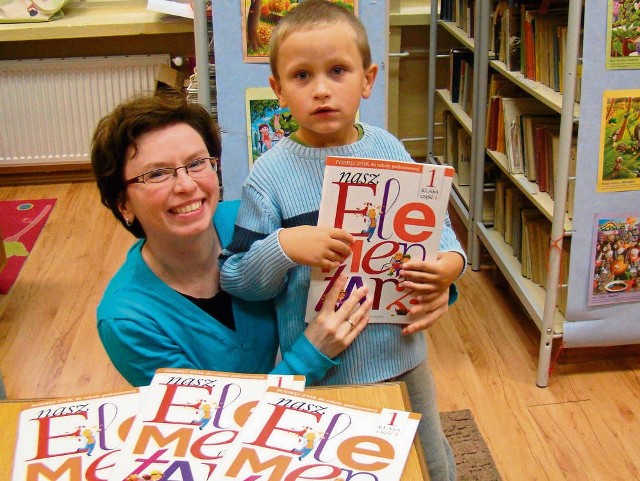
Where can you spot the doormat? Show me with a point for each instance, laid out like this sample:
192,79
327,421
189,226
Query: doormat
21,222
474,461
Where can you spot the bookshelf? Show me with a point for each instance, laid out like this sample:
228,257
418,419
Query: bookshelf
539,301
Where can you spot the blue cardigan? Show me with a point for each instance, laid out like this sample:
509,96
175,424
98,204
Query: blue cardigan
144,324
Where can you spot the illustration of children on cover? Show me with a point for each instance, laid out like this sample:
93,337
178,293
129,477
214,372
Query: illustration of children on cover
86,437
373,214
203,413
309,440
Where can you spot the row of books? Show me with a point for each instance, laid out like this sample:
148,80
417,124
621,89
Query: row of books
530,37
457,153
528,133
206,425
460,12
528,232
461,77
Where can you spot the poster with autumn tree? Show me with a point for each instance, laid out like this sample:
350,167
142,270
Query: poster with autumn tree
619,165
623,36
259,17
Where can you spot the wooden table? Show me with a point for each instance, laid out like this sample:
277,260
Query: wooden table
389,394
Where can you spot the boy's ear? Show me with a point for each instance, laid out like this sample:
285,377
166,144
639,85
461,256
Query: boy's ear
369,78
277,89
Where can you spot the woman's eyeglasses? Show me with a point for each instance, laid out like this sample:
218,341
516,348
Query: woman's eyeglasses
195,168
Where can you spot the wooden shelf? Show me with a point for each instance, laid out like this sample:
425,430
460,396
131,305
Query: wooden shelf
409,12
460,196
532,296
97,20
458,33
541,92
455,108
541,200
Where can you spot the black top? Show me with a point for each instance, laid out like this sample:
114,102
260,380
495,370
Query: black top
218,307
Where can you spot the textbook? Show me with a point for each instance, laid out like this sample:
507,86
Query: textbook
294,435
74,439
187,420
396,212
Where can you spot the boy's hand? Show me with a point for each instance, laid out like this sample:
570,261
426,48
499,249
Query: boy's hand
432,277
431,281
427,312
325,247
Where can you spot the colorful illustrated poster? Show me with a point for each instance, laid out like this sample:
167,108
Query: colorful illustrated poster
623,38
616,259
258,19
619,166
267,122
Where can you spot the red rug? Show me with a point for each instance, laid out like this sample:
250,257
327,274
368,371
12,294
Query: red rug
21,222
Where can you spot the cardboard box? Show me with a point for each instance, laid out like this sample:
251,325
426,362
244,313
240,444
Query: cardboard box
169,78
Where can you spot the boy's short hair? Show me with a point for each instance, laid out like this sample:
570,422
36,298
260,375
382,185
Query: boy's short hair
313,13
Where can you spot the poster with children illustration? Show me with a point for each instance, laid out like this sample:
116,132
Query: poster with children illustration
616,259
258,19
267,122
619,165
623,37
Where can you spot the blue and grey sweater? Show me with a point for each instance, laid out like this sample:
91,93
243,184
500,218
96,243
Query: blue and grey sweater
284,190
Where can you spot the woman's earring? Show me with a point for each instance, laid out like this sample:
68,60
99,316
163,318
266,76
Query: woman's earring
129,222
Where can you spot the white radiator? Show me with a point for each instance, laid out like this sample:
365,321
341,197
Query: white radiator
50,107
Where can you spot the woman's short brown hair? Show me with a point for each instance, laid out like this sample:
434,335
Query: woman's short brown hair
119,131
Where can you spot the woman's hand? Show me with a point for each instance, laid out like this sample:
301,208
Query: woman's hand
331,332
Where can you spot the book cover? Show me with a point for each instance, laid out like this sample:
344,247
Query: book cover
513,109
528,125
463,164
456,58
292,435
450,138
74,439
396,211
187,420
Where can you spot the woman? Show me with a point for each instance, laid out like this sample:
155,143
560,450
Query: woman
155,160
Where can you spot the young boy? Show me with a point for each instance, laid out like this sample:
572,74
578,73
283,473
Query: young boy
321,67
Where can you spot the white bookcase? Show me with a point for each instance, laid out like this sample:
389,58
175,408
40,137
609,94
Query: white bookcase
540,303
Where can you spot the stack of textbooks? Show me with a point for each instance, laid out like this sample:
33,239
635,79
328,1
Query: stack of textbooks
190,425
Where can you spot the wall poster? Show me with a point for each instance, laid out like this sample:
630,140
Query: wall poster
267,122
619,164
258,19
623,38
616,259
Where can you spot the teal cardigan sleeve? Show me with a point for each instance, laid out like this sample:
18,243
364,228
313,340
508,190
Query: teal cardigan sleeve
303,358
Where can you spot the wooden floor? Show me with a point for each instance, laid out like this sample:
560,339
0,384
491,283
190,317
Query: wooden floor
583,426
